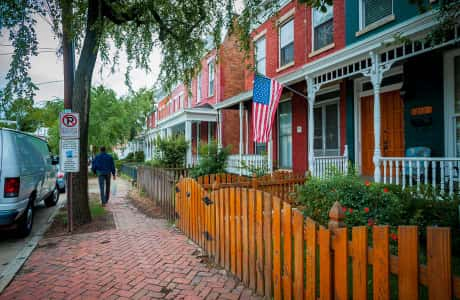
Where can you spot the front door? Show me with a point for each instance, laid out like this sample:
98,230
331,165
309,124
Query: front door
392,129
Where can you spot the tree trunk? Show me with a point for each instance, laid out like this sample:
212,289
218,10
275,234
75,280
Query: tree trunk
81,104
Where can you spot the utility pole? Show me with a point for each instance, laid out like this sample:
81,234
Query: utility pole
69,71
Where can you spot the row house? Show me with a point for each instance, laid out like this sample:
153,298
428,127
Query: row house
376,92
362,84
189,108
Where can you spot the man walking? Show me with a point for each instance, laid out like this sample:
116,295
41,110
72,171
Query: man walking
102,166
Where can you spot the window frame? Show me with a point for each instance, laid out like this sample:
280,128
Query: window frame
257,60
323,104
362,15
198,88
280,26
313,26
211,87
289,100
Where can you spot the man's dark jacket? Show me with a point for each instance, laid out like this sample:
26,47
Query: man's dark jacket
103,164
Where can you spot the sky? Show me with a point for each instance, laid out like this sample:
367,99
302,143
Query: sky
47,66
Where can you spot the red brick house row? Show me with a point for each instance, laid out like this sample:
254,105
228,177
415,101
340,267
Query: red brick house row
351,94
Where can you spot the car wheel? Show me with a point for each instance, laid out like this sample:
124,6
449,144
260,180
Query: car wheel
26,221
52,199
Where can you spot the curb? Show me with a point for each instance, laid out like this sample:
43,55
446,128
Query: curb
8,274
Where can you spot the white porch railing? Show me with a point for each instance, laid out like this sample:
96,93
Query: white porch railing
325,166
242,166
442,173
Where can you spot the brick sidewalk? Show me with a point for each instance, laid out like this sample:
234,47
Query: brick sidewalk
142,259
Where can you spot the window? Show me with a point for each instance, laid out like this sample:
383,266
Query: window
457,103
374,10
260,56
286,39
285,135
211,76
326,133
323,27
198,88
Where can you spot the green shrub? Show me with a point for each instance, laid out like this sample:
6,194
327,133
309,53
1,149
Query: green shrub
366,203
212,160
170,152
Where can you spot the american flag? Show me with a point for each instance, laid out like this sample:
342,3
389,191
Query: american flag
266,96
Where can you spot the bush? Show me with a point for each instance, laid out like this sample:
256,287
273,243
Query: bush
366,203
212,160
170,152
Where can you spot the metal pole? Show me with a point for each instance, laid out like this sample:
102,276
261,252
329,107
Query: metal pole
69,71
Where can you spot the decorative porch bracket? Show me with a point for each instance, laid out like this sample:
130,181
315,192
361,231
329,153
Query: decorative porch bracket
375,73
312,89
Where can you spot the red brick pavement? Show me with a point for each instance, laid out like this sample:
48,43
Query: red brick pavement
142,259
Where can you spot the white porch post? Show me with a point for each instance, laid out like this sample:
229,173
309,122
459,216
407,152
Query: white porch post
241,137
209,132
188,138
219,129
376,75
198,135
311,94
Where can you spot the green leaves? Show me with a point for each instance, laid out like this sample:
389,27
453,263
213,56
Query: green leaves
170,152
212,160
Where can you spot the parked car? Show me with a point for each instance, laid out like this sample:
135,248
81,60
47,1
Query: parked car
60,181
27,176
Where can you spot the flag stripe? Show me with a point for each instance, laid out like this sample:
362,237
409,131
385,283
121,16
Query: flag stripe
265,102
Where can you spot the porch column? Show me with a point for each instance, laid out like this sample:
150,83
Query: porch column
219,129
198,133
376,75
311,94
241,136
209,132
188,138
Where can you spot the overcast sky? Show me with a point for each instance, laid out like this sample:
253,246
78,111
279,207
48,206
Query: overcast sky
47,66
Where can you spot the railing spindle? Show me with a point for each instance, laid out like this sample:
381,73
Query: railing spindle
441,165
397,171
451,178
418,175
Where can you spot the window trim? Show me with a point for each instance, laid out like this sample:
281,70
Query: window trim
325,47
198,88
281,24
278,135
363,28
265,52
211,63
323,104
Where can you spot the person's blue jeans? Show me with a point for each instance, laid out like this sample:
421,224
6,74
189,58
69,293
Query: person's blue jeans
104,187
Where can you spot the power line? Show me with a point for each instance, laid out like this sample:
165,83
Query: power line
39,52
48,82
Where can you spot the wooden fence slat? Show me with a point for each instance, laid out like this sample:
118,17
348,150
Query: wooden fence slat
232,232
325,274
439,263
359,242
276,232
287,250
259,243
222,227
408,262
381,262
239,250
252,240
245,242
227,229
217,235
310,260
341,264
297,230
268,266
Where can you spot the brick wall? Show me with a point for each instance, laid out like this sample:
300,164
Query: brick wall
231,68
231,129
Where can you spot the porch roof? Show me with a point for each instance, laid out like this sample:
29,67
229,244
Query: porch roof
203,114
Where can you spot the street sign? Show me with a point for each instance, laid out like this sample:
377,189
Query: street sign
70,155
69,125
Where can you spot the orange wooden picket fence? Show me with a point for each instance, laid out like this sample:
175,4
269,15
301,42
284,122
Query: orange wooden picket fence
274,250
280,184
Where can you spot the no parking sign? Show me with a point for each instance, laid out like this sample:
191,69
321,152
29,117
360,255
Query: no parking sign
69,125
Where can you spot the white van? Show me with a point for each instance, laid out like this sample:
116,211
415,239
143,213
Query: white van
27,177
